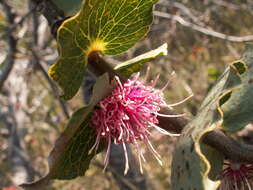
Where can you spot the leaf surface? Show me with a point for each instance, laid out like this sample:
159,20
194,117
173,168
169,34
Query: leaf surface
134,65
196,165
111,27
238,110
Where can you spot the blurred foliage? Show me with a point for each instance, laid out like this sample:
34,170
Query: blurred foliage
196,58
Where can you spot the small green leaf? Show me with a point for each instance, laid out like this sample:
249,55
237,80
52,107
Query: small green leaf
71,154
134,65
110,27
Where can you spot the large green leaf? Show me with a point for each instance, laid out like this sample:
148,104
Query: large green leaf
71,154
108,26
238,110
134,65
195,165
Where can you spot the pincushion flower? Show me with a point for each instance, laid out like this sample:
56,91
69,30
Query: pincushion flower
128,114
236,176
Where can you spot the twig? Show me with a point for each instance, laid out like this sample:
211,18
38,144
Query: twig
51,84
51,12
12,42
224,144
185,10
231,149
226,4
36,60
15,25
125,181
203,30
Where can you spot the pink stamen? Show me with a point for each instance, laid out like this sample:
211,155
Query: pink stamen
236,176
128,114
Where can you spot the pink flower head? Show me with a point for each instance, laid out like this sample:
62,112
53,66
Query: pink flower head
128,114
236,176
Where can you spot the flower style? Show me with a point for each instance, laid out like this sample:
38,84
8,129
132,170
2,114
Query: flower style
128,114
236,176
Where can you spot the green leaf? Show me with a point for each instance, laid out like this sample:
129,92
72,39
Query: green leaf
238,110
75,159
195,165
70,157
134,65
110,27
228,106
71,154
215,158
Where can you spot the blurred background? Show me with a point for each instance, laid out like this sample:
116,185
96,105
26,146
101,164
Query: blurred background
203,37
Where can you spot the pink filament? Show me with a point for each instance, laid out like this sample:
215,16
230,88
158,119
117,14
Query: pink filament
236,176
128,114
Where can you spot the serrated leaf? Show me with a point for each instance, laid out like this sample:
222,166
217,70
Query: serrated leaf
227,106
71,155
238,110
134,65
110,27
194,164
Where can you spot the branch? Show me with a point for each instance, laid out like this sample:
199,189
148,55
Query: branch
231,149
51,84
51,12
12,43
226,4
203,30
217,139
15,25
122,179
185,10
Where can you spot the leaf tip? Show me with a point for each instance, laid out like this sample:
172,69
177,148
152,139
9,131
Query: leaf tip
164,47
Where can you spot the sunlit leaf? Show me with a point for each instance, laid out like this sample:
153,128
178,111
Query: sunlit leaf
238,110
134,65
195,165
110,27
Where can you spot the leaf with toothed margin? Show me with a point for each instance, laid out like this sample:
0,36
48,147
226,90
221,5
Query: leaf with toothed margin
110,27
134,65
196,165
237,111
71,154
